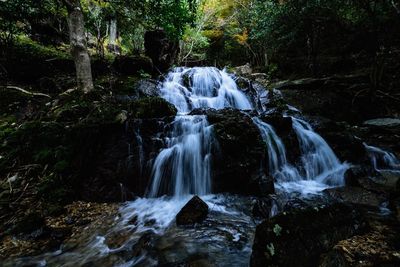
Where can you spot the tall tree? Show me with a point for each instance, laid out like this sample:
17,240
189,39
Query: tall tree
79,52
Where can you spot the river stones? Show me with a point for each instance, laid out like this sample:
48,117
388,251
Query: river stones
195,211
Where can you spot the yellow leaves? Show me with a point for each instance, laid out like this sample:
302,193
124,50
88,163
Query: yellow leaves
213,34
242,38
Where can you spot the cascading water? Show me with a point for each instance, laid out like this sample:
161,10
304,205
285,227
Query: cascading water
279,167
319,161
382,160
184,167
319,168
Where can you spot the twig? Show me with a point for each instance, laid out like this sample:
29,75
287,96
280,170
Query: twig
357,94
389,96
26,92
20,196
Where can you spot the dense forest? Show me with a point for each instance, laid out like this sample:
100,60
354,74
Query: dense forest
200,133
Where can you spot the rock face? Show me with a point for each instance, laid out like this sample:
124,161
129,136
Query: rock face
298,238
195,211
239,161
160,49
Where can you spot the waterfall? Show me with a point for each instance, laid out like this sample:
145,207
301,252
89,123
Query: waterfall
202,87
319,162
382,160
319,168
279,168
184,166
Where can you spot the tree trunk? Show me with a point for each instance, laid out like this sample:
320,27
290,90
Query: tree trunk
79,51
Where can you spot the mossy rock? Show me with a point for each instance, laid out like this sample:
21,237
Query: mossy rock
152,107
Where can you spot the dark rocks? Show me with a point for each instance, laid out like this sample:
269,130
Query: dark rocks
335,97
152,107
298,238
357,195
239,162
160,49
131,65
195,211
147,87
264,207
389,125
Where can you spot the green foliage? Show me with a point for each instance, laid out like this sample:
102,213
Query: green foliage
320,27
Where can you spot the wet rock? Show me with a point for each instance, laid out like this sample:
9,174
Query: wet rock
160,49
298,238
356,195
195,211
390,180
366,177
384,124
131,65
239,164
255,91
264,207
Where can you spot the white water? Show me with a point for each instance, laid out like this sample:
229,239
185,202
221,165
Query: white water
319,169
205,87
319,161
184,166
279,167
382,160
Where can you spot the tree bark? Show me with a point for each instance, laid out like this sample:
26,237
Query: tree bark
79,52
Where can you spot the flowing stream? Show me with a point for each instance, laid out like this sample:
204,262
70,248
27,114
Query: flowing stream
183,169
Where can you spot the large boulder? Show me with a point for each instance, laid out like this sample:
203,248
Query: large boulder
299,237
160,49
195,211
239,164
